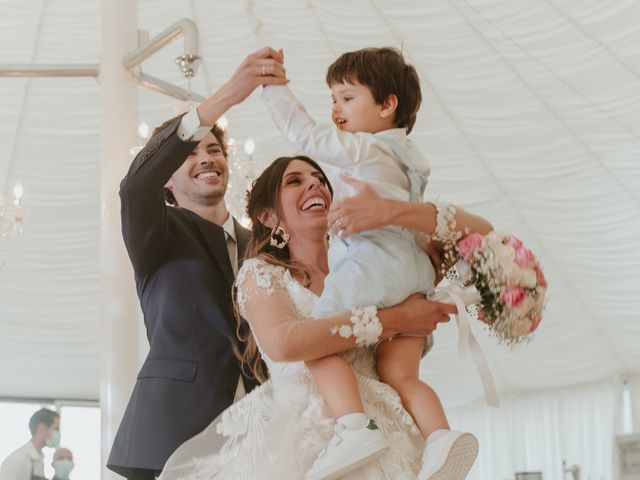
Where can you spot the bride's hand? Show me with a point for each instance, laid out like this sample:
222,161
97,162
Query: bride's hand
364,211
416,315
436,254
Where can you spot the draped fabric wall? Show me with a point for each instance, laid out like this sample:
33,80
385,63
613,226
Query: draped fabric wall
633,382
537,431
531,118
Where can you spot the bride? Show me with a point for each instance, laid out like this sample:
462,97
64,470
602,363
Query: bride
278,430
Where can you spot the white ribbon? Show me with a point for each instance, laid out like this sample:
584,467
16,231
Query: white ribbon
447,292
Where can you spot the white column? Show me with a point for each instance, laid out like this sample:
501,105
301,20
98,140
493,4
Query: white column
120,316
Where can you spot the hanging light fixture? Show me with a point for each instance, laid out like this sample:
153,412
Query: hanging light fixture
249,146
223,123
12,219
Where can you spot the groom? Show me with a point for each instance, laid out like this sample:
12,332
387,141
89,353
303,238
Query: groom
184,258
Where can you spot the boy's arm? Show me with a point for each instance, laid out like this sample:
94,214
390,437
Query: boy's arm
323,143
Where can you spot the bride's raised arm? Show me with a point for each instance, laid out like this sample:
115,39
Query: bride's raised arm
286,336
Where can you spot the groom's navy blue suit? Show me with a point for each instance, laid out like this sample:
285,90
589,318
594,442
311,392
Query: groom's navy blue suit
183,278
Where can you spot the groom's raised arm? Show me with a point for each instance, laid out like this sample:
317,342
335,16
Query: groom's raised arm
143,210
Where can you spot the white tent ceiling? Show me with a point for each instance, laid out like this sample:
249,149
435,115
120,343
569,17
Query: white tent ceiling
531,118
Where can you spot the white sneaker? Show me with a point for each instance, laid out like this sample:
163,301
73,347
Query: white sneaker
448,455
348,450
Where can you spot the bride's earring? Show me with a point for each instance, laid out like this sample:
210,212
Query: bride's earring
279,237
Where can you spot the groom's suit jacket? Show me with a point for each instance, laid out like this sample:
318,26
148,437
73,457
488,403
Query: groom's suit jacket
183,277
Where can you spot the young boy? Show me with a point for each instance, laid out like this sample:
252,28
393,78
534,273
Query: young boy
376,97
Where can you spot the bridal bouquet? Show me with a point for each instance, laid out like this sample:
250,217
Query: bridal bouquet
500,275
509,280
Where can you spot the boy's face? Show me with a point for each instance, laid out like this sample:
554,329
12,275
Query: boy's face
355,109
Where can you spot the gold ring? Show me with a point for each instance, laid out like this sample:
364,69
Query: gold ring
264,71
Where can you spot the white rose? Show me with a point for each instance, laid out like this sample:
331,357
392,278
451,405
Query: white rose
521,327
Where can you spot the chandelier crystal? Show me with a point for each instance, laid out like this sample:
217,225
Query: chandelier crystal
12,219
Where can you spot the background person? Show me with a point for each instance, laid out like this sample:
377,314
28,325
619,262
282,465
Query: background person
62,463
27,462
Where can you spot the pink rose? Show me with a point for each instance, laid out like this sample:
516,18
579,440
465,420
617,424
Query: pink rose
535,321
512,296
514,242
470,244
525,257
540,276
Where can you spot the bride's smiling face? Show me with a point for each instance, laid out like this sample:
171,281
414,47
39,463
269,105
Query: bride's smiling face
304,200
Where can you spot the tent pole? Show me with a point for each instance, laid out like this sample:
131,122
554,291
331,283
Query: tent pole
120,320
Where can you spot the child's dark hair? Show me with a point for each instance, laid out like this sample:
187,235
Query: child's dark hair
384,72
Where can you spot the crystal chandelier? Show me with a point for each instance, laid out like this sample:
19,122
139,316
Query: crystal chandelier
242,171
12,218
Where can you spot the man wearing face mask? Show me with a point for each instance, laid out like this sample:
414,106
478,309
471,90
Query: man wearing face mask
62,464
27,462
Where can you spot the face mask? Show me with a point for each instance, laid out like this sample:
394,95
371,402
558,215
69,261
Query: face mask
63,467
53,440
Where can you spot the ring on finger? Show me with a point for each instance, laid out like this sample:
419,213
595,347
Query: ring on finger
264,70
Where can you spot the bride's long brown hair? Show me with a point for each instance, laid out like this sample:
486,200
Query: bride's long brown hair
263,196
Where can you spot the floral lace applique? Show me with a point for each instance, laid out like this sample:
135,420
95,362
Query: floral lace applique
257,275
445,231
366,326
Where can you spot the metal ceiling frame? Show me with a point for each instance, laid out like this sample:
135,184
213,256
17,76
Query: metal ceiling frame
187,62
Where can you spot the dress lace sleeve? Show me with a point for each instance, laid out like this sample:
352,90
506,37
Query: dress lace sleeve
265,303
257,280
281,330
446,229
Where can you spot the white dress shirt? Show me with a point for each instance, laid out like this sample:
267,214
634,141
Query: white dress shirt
361,155
22,463
232,247
190,129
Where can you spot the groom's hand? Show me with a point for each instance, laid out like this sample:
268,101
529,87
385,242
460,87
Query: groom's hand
264,67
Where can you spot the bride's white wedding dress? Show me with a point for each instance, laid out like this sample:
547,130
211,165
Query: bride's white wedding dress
278,430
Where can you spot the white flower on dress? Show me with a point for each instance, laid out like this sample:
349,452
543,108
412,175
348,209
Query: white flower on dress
366,326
